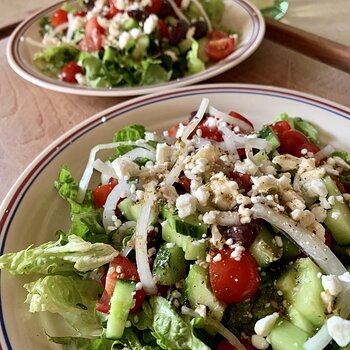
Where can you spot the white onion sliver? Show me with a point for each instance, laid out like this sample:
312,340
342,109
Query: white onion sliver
119,191
324,152
178,11
233,340
229,119
310,244
229,141
204,14
140,153
58,29
319,341
142,262
33,42
104,168
196,119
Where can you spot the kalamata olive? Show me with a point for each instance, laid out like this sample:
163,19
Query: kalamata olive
201,29
165,10
178,32
138,15
89,4
242,233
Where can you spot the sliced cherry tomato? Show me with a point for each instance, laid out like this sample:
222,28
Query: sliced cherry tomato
69,71
243,180
243,119
112,10
93,35
291,141
101,192
163,29
120,268
281,127
225,345
173,131
59,17
209,133
185,182
233,280
80,14
310,147
219,46
154,6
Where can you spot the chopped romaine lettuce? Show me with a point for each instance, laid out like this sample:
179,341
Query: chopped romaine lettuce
195,65
73,298
342,154
76,255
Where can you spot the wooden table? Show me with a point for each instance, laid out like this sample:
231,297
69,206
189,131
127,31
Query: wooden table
31,117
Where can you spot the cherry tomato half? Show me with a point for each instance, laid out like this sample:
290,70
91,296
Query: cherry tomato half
59,17
120,268
290,142
69,71
236,115
93,35
310,147
154,6
243,180
112,10
101,192
225,345
233,280
281,127
163,29
218,47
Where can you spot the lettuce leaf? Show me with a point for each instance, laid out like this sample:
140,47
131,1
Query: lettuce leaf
343,155
128,133
195,65
76,255
72,298
302,125
52,59
170,330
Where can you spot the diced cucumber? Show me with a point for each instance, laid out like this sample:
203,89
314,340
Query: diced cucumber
132,211
202,55
141,47
185,45
198,292
286,336
193,249
300,320
290,250
302,287
189,226
264,248
260,157
169,265
269,135
121,302
338,217
130,23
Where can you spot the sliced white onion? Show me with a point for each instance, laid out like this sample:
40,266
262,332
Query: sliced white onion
178,11
196,119
140,153
319,341
229,141
229,119
104,168
85,179
142,262
119,191
324,152
309,243
204,14
33,42
174,173
221,329
58,29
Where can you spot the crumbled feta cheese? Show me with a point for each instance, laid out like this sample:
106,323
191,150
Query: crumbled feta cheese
246,167
125,168
150,24
237,251
186,205
123,39
264,326
345,277
339,330
202,194
163,153
217,257
319,213
287,162
331,284
259,342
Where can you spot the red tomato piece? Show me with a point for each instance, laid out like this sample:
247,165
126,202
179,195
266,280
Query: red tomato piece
69,71
281,127
59,17
185,182
243,180
80,14
233,280
209,133
101,192
243,119
241,153
163,29
225,345
120,268
154,6
328,237
112,10
291,141
173,130
93,35
219,46
310,147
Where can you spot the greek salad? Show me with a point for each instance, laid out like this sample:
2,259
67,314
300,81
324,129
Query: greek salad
213,235
125,43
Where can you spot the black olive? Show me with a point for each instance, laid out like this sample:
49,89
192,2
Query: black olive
201,29
178,32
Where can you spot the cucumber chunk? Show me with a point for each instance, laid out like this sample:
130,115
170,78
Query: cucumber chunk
121,303
132,211
169,265
269,135
193,249
198,292
264,248
338,217
286,336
